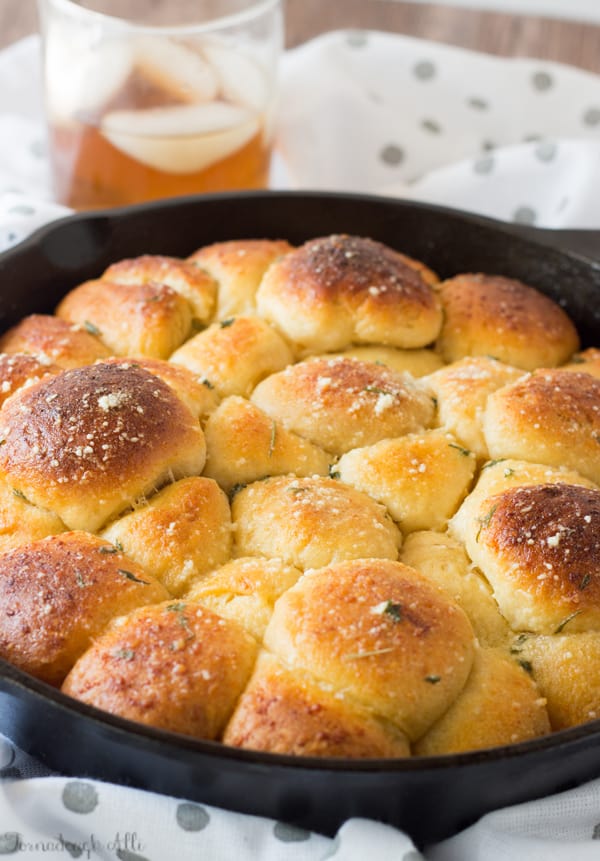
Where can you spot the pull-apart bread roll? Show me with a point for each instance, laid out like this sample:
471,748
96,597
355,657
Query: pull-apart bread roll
237,267
342,403
245,589
404,475
461,390
179,534
139,319
195,285
54,341
235,354
551,417
58,594
87,443
488,315
243,444
174,665
292,712
539,547
338,290
311,522
500,704
376,633
442,559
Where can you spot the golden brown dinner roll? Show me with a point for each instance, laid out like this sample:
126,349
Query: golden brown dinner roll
490,315
496,476
173,665
539,547
414,362
87,443
381,633
196,393
442,559
461,390
238,266
420,478
179,534
243,444
58,594
289,712
21,522
191,282
500,704
587,361
140,319
20,369
550,417
343,403
54,341
245,590
235,354
311,522
566,668
338,290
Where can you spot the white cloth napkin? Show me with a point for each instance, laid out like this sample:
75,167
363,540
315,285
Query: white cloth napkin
363,111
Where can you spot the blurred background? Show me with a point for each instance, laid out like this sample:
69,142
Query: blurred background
547,29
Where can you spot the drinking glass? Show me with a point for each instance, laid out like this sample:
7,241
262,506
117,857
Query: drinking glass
176,98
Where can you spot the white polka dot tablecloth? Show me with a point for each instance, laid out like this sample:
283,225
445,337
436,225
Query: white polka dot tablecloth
517,140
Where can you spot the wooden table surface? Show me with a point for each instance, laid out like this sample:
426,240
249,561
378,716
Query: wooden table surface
498,33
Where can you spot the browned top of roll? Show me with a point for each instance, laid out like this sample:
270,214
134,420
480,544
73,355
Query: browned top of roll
92,435
545,540
58,593
502,317
387,296
55,340
381,632
174,665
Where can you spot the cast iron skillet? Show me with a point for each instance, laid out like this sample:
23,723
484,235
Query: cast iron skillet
430,798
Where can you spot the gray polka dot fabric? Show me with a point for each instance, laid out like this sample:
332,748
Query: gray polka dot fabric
424,117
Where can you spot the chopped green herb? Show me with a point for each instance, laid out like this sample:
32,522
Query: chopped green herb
485,521
207,383
376,390
433,680
566,621
435,401
124,654
517,646
91,328
492,463
236,489
79,580
394,611
584,582
333,472
526,665
228,322
108,549
132,577
464,451
118,545
19,493
508,472
179,607
272,439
